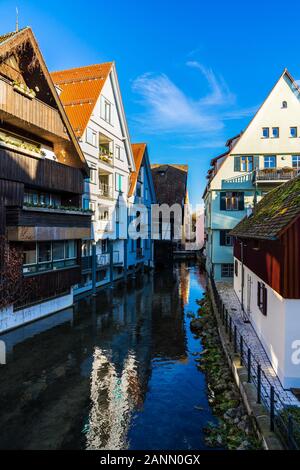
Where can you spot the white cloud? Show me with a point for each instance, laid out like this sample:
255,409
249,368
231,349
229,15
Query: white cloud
220,94
167,108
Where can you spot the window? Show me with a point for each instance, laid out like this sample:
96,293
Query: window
270,161
118,152
119,182
35,198
106,110
275,132
227,270
296,161
91,137
103,213
262,295
104,246
265,132
236,268
29,254
146,194
139,189
93,173
284,104
70,247
232,201
246,163
225,238
293,132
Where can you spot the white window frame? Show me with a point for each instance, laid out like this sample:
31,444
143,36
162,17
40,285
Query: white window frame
267,159
297,158
93,140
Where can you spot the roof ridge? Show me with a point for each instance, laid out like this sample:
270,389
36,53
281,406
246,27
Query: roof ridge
83,67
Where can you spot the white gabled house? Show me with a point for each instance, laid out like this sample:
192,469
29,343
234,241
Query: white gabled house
92,99
267,277
266,154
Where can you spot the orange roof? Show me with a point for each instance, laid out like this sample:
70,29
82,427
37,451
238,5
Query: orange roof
81,88
138,151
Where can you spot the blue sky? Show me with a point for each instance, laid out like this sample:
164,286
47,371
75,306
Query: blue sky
192,73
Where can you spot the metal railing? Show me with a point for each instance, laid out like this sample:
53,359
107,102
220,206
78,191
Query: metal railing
105,190
281,416
102,260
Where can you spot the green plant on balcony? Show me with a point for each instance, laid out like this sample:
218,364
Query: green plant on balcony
57,207
24,89
105,154
22,144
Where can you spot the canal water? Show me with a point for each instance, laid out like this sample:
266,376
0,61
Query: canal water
115,372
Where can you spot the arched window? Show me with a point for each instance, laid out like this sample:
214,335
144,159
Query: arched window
284,104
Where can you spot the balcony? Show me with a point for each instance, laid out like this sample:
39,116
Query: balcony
275,175
41,224
105,226
102,261
105,191
21,111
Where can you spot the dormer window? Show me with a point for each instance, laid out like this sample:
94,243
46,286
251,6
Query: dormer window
284,104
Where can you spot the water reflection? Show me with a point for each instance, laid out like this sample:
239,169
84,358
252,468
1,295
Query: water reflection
117,373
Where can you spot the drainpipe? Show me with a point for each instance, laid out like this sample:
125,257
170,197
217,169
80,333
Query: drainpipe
94,264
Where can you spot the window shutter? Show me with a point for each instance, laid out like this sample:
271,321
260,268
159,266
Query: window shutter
237,163
265,301
222,237
258,293
223,201
241,202
255,162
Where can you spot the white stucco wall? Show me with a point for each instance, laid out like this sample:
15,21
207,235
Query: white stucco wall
277,330
10,319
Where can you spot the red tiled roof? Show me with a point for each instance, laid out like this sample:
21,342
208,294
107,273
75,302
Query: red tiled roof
138,151
81,88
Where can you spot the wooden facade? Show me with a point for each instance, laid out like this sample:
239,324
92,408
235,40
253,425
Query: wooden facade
29,114
276,262
58,172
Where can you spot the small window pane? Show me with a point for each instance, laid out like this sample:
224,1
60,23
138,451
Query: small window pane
296,161
29,253
70,249
270,161
58,250
265,132
44,252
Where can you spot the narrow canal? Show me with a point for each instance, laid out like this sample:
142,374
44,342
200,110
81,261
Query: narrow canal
116,372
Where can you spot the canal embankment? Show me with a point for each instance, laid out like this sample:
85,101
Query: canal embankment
235,429
259,415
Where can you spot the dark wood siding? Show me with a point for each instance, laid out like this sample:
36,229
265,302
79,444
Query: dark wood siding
50,285
16,217
276,262
291,272
40,173
266,261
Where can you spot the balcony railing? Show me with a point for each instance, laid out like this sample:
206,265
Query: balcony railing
105,225
102,260
276,174
32,111
105,190
106,156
